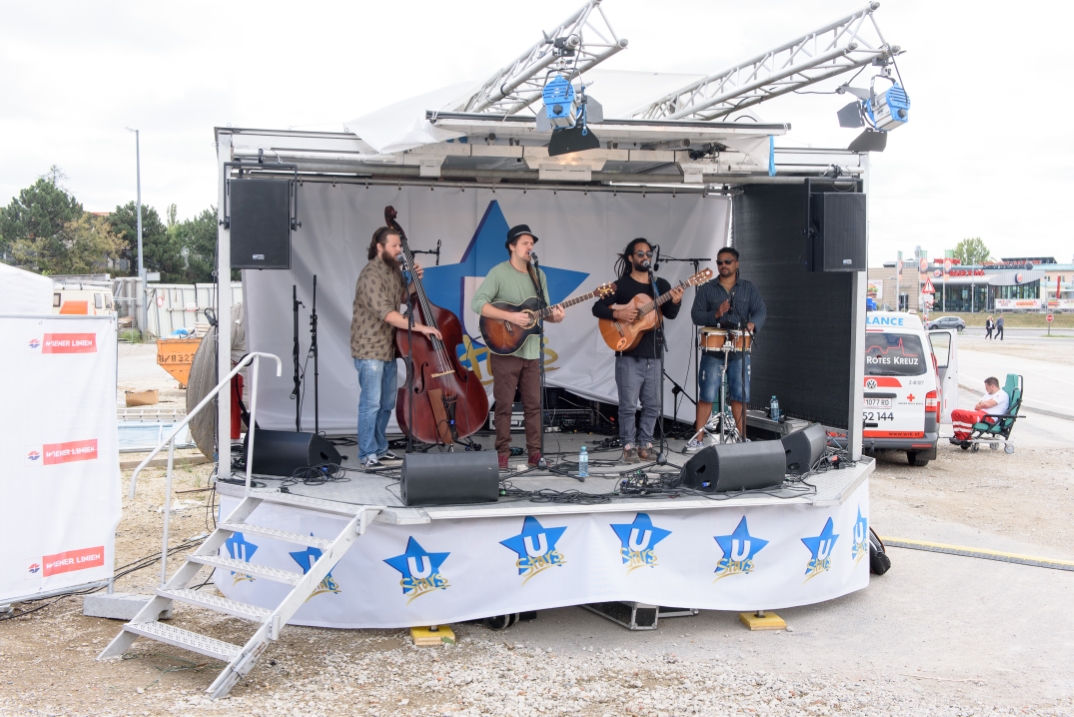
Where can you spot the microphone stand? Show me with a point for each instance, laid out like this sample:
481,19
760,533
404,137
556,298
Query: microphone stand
296,393
541,306
316,371
661,349
696,262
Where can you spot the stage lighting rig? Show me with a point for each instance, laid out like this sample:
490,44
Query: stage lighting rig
566,113
878,112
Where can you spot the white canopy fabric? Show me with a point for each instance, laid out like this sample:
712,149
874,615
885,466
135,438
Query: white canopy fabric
402,126
23,292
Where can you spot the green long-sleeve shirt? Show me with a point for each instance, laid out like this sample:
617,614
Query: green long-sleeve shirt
506,283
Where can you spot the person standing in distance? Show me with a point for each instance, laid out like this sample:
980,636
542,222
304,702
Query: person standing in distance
725,301
637,371
377,298
514,281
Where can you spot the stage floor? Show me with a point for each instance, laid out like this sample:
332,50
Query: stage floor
381,487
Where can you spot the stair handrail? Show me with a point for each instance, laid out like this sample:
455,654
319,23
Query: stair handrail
246,360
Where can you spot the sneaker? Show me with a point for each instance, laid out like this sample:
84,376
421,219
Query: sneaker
693,445
713,425
535,458
503,461
389,456
371,463
630,454
955,441
646,452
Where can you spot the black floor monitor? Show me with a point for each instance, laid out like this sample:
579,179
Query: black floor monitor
735,467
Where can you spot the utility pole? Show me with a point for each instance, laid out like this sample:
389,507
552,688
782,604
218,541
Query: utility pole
143,312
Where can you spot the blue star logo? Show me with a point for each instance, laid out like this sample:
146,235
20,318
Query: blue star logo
739,549
861,536
638,540
821,548
446,285
305,559
420,569
239,548
535,546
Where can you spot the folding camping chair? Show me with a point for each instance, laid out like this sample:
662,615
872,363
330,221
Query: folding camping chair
999,432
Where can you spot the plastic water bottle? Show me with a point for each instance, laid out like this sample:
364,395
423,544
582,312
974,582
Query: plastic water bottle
774,409
583,463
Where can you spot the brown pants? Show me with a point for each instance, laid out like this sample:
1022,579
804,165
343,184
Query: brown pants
509,372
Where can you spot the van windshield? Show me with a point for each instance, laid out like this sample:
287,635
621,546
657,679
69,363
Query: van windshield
893,355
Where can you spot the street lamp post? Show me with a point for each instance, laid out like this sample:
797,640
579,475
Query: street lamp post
143,313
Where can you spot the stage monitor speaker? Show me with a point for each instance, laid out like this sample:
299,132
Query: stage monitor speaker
804,448
838,231
260,215
736,466
450,478
281,453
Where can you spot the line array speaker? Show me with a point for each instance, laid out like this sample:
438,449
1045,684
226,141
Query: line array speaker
838,231
804,448
450,478
281,453
736,466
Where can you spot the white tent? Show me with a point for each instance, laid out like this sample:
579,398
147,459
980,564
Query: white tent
23,292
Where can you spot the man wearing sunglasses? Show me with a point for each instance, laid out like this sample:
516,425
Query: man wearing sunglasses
731,303
637,371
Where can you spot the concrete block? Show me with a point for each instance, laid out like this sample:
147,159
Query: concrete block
118,606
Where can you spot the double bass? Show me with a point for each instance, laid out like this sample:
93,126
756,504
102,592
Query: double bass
449,402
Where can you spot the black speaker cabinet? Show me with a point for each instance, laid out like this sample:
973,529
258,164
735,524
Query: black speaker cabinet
450,478
260,212
838,220
736,466
281,453
804,448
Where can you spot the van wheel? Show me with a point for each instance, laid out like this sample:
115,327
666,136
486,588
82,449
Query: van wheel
916,459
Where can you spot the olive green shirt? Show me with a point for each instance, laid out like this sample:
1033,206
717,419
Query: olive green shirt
379,292
506,283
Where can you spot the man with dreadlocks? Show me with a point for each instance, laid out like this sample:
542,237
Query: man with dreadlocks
637,371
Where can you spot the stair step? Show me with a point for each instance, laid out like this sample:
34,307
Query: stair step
217,603
241,566
208,646
296,538
301,501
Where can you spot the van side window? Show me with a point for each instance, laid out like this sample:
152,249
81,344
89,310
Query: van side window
893,355
98,301
56,300
941,346
108,301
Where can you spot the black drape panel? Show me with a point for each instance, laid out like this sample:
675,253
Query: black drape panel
803,354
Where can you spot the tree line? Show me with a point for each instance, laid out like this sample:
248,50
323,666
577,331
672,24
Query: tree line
45,229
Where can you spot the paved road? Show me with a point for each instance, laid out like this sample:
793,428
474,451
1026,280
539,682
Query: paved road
1047,371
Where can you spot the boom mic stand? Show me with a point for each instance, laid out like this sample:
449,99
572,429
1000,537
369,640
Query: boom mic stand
435,251
535,275
661,349
296,393
314,351
696,262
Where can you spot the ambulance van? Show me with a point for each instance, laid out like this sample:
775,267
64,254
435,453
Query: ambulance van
911,385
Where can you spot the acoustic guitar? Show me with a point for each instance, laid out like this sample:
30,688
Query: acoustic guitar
503,337
621,336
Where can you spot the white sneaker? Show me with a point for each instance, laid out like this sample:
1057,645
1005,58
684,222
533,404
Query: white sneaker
389,456
693,445
371,463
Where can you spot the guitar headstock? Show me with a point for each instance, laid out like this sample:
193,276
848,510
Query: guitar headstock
605,290
700,277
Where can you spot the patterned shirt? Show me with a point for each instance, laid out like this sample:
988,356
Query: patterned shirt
379,292
747,305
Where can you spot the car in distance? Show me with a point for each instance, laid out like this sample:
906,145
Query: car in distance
947,322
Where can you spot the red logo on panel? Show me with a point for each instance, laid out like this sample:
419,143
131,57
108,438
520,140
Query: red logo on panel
69,344
72,560
69,451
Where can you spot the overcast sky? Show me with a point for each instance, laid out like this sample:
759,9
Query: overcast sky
985,154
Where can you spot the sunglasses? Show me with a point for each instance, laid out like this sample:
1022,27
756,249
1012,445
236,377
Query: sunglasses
725,262
647,254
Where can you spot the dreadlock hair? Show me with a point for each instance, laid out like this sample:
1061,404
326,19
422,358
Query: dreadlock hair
380,236
622,264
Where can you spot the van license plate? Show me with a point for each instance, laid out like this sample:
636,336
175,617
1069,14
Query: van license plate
878,403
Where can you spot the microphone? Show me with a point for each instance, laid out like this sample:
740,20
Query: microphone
656,264
533,258
645,264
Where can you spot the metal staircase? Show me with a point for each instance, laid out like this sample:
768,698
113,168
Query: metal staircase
241,658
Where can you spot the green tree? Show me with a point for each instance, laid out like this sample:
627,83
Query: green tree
40,211
81,246
161,251
197,241
972,251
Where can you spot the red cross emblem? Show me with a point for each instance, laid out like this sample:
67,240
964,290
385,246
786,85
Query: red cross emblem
910,398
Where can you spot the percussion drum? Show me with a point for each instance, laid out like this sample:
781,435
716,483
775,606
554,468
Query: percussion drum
714,340
739,341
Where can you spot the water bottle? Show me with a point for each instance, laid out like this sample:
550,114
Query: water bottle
583,463
774,409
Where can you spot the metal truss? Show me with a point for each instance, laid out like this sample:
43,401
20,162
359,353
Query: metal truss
519,84
837,48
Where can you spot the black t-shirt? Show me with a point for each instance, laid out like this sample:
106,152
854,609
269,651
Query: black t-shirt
625,290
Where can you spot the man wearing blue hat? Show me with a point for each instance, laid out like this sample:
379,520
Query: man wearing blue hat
514,281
